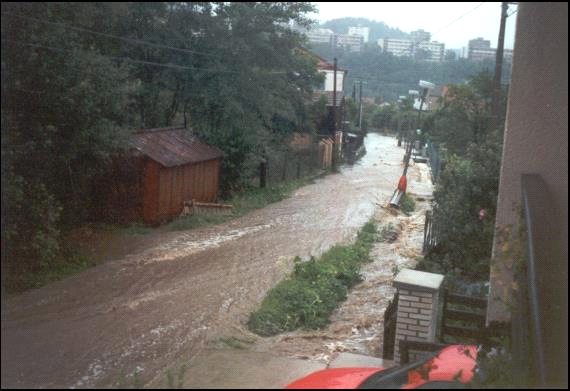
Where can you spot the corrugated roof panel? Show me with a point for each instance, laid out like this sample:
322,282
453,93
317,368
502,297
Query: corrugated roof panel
174,147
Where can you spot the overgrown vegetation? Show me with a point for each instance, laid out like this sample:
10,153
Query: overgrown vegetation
465,196
407,203
307,298
77,78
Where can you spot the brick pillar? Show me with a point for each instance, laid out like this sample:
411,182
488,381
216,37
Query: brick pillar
418,307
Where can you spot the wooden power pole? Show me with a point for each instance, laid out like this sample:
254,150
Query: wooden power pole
498,68
334,151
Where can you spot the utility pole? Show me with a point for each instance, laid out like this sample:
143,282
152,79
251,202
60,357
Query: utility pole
334,151
498,68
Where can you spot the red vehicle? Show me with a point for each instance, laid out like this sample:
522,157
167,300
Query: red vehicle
450,367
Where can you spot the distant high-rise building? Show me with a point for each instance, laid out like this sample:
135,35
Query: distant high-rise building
479,43
398,47
420,36
352,43
321,36
436,50
363,31
414,47
480,49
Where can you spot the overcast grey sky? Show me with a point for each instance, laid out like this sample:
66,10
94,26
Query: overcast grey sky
475,19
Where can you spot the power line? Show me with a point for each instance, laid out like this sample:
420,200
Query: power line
128,40
174,66
465,14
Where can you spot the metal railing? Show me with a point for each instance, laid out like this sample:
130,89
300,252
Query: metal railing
540,327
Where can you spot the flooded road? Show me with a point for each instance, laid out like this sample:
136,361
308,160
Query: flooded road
139,314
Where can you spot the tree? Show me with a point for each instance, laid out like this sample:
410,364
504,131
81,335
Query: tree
422,54
63,106
450,55
468,184
77,77
465,116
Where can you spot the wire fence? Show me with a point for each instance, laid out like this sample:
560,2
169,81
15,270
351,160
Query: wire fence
288,165
434,161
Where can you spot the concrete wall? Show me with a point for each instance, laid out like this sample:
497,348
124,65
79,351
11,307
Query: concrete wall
535,140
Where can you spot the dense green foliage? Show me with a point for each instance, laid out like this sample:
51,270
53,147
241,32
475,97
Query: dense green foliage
309,296
78,77
471,150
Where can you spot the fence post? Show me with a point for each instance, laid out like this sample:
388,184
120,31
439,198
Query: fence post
390,329
426,227
418,307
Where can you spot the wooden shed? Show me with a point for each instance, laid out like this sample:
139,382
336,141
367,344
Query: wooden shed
177,167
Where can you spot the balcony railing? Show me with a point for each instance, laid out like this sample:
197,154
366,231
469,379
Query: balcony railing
540,322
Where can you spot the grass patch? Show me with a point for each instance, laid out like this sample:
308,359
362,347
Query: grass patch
407,203
307,298
69,263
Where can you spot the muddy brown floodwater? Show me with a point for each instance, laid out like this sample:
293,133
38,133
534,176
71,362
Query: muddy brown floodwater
162,303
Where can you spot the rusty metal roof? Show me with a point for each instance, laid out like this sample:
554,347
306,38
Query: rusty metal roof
173,147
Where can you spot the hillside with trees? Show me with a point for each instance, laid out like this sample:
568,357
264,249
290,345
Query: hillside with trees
377,29
385,76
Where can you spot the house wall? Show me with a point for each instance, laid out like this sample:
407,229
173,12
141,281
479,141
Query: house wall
150,198
535,142
166,188
535,139
329,80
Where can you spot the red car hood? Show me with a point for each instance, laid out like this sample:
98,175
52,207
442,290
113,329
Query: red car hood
334,378
454,364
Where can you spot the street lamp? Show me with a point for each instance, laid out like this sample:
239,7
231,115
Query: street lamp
400,101
426,87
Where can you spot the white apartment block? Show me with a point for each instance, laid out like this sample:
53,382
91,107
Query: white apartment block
364,31
353,43
420,36
321,36
436,50
398,47
406,47
481,54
